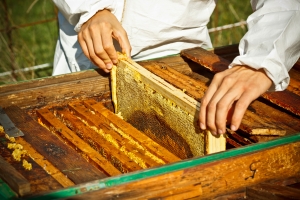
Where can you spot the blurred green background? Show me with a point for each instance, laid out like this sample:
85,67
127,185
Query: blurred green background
29,30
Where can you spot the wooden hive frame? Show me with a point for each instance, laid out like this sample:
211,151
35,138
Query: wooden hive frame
140,96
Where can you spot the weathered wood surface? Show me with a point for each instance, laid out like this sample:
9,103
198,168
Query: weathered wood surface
40,181
121,138
60,128
285,99
209,180
14,179
138,136
48,167
40,92
53,149
107,149
266,191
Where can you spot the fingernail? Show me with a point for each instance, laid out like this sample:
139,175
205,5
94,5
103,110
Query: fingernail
220,131
202,126
115,61
213,132
108,65
233,128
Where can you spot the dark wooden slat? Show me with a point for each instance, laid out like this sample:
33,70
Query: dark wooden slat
109,151
14,179
215,63
53,80
53,149
137,154
285,99
59,127
36,93
40,181
138,136
266,191
287,122
99,123
294,81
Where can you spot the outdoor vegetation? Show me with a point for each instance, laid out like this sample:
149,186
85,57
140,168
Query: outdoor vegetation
29,30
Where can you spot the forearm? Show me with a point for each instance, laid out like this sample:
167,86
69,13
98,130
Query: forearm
273,40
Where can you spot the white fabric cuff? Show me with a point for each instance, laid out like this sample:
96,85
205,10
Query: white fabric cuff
272,42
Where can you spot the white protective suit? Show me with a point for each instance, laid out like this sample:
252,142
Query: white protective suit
159,28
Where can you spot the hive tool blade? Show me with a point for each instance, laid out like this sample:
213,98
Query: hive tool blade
10,129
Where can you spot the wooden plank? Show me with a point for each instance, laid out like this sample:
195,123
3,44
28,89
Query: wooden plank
284,121
190,86
36,93
175,62
138,136
294,81
53,149
45,164
266,191
55,125
14,179
95,140
219,174
117,140
285,99
53,80
108,133
40,180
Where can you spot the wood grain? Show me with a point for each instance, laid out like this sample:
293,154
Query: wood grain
216,177
138,136
60,155
45,164
35,93
60,128
14,179
39,179
123,143
266,191
96,141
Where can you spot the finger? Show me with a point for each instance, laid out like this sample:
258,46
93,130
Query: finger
223,107
204,103
223,84
99,51
92,55
109,47
240,109
122,38
83,46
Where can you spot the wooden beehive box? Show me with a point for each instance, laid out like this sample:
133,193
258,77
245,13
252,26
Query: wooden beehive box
79,148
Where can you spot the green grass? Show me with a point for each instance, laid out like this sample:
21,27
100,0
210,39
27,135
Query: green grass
33,43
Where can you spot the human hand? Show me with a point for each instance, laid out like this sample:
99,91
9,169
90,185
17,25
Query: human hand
229,95
96,39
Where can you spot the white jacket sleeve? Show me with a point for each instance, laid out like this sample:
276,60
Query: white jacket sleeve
273,40
79,11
